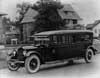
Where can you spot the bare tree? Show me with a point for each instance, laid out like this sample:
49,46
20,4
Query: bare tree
22,10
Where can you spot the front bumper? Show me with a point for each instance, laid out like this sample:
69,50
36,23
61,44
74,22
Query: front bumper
15,61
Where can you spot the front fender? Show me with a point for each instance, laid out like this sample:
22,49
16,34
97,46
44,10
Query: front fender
34,52
31,52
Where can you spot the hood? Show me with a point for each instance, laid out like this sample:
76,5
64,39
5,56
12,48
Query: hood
29,47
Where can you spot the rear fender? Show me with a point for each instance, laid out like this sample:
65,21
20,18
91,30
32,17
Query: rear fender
93,48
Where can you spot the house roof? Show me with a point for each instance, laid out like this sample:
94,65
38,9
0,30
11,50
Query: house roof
68,7
65,15
91,26
72,15
29,16
2,14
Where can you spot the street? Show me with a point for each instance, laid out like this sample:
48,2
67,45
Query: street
79,69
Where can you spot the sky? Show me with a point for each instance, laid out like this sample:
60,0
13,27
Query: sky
89,10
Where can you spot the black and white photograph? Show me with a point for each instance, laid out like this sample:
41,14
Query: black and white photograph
49,38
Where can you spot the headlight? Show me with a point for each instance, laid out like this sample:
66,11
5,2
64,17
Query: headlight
24,52
14,52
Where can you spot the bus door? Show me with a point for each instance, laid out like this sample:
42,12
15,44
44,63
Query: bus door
78,45
60,46
64,46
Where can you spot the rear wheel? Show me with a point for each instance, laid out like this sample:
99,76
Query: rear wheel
32,64
88,56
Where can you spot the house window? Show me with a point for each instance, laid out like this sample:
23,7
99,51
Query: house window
67,21
70,13
66,12
74,21
95,31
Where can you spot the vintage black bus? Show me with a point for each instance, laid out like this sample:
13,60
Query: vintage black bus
52,46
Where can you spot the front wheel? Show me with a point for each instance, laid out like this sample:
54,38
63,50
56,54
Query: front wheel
88,56
13,66
32,64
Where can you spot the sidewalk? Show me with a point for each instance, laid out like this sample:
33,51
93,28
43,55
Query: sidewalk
3,56
3,52
3,64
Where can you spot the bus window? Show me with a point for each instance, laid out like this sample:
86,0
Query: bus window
75,39
85,38
68,39
63,39
55,39
60,39
80,38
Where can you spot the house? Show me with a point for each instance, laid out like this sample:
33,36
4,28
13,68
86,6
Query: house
1,28
70,16
28,23
95,27
67,13
13,35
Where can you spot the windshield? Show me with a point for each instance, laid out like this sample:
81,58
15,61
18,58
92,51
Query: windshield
42,40
39,38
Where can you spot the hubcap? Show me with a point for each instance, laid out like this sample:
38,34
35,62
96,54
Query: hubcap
89,55
13,65
33,64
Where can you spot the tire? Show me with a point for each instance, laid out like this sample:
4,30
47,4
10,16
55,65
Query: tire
12,66
32,64
88,56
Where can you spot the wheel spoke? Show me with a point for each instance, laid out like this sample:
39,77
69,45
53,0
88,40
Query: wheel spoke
33,64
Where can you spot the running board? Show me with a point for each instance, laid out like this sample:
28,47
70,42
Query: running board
62,61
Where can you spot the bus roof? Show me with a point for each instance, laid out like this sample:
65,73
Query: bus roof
62,32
